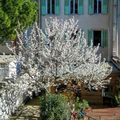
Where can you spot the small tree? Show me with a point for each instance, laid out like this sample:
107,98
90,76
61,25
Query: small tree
58,53
14,13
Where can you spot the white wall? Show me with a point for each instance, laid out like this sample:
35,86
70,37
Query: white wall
95,22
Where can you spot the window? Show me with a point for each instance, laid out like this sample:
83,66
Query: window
96,37
76,6
50,7
98,6
53,7
73,7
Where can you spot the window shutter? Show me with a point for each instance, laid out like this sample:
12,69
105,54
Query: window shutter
90,37
44,7
80,7
104,38
57,7
67,7
90,7
104,6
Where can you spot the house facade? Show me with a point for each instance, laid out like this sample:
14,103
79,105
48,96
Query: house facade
100,21
94,19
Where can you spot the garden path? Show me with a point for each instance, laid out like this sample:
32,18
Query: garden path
103,114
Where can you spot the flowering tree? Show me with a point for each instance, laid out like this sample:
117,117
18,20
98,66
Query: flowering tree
59,52
11,95
68,54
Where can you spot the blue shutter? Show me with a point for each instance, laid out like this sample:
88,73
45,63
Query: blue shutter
44,7
67,7
57,7
104,38
90,37
105,6
80,7
90,7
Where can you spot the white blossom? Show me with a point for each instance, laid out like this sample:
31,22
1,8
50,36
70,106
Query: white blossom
58,52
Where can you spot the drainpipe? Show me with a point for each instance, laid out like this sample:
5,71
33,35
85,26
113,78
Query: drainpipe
39,14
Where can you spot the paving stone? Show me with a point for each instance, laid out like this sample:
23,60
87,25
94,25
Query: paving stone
104,114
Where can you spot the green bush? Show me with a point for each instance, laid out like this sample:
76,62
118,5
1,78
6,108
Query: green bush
54,107
81,104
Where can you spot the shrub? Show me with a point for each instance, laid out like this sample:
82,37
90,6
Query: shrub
81,104
54,107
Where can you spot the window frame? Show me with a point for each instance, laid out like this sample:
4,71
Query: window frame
51,7
74,9
104,37
94,37
97,12
104,7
